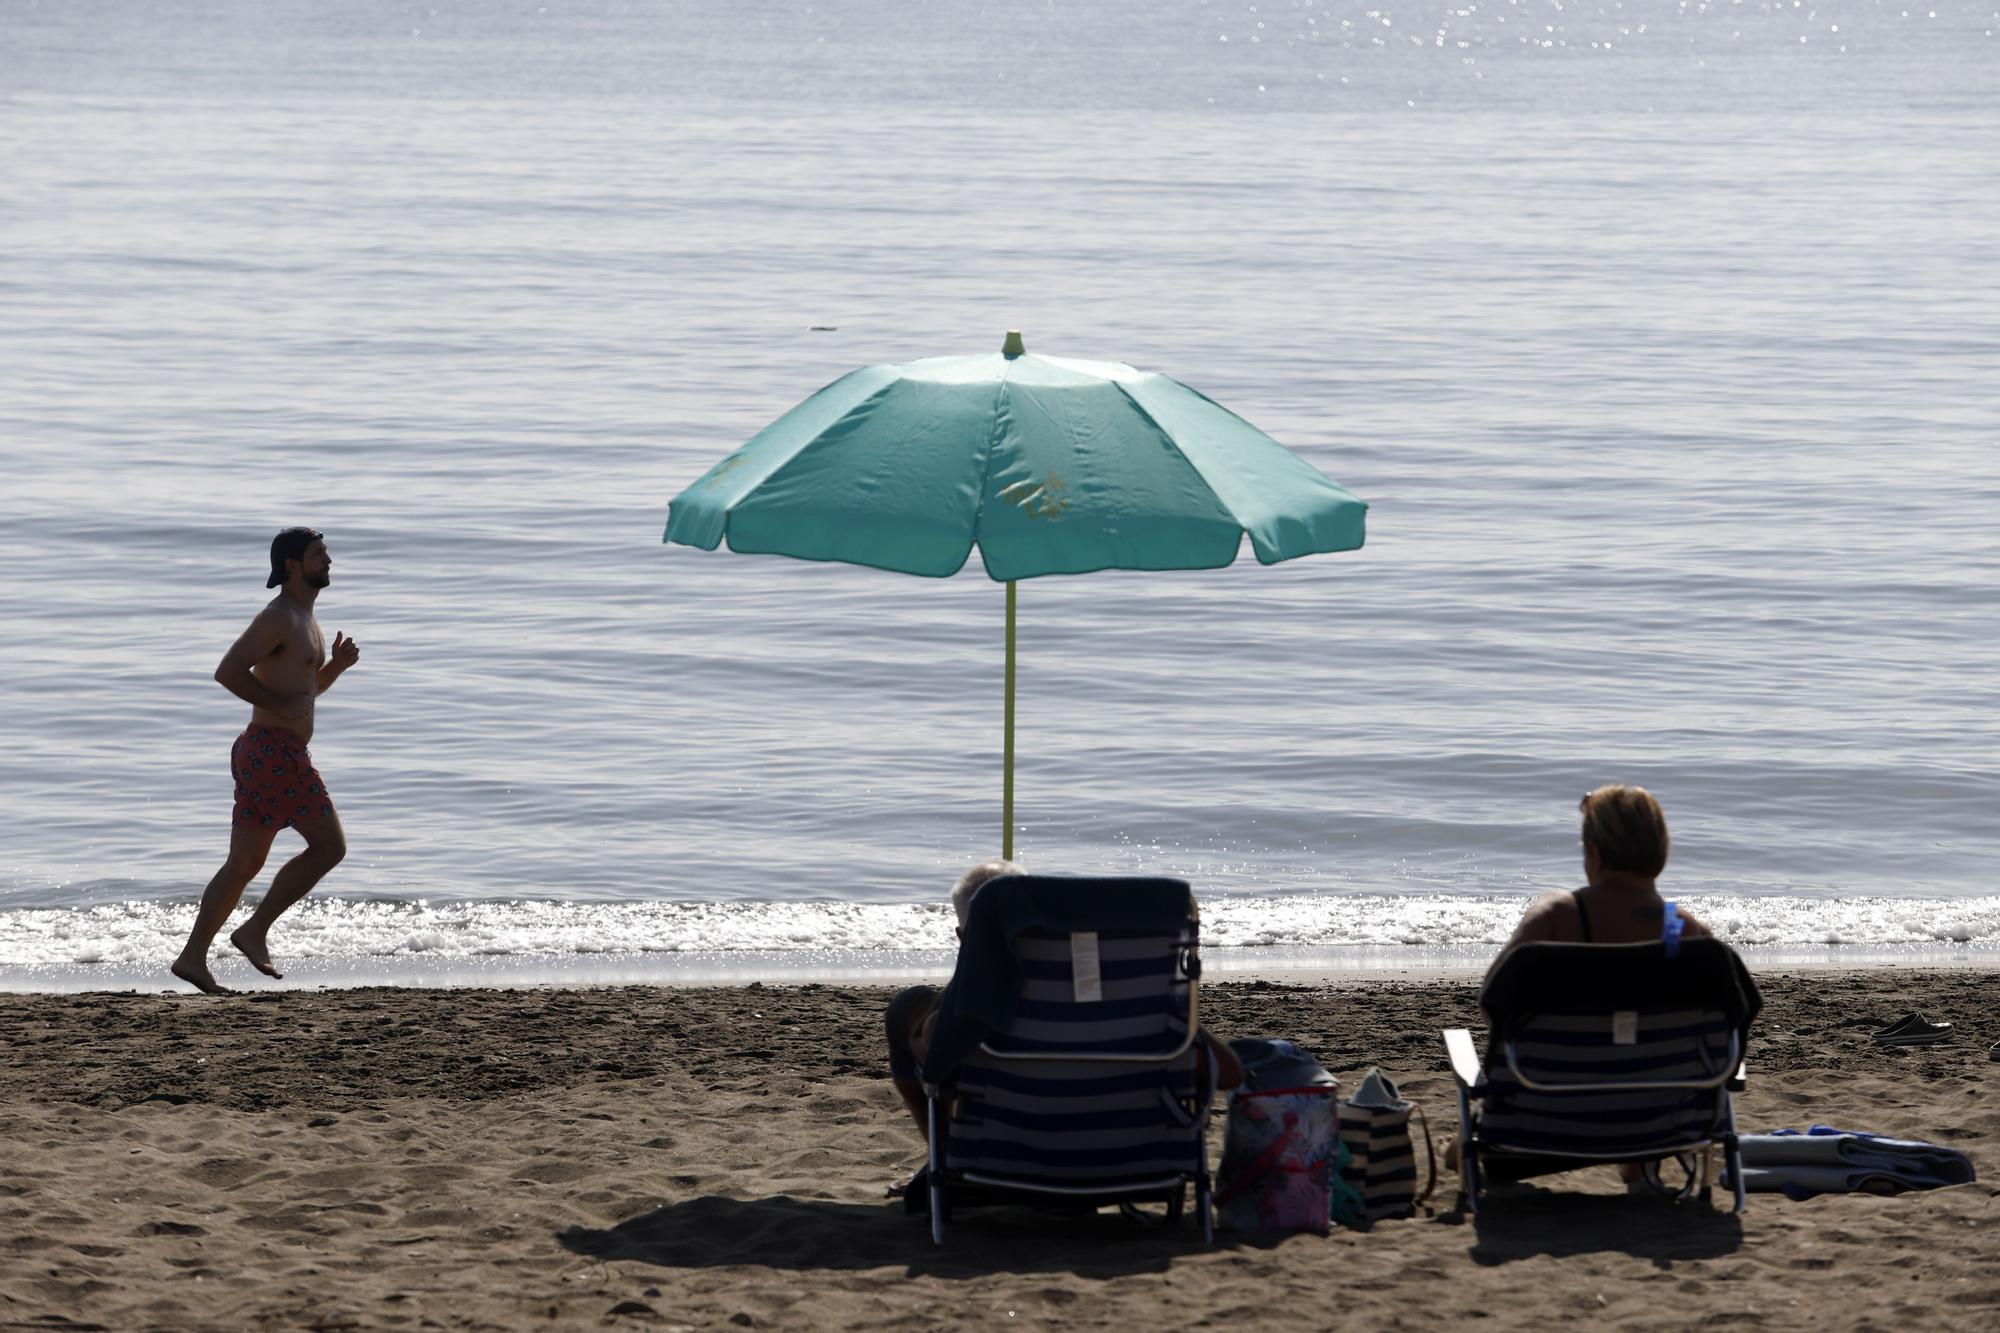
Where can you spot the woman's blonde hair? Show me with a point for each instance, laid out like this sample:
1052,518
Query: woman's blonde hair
1628,829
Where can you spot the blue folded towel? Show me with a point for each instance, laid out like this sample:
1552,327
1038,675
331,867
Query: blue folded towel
1825,1160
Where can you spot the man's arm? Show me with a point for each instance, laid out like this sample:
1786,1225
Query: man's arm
345,653
264,636
915,1102
1228,1069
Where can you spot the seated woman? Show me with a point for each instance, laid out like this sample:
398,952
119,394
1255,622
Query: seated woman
1624,850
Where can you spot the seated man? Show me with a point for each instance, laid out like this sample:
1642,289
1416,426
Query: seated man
912,1014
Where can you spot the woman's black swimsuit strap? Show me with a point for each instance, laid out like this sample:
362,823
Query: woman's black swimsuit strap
1582,913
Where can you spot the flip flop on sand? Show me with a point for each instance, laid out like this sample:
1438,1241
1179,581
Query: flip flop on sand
1912,1030
1994,1053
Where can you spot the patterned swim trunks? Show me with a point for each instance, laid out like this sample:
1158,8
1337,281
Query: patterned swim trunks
276,783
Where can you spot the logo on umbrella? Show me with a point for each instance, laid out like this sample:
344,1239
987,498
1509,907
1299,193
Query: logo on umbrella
1044,501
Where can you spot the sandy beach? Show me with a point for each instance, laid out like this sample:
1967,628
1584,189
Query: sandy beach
660,1158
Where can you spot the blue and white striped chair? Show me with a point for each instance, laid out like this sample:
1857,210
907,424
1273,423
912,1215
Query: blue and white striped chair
1066,1066
1605,1053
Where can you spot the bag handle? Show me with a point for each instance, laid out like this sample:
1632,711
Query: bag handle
1430,1159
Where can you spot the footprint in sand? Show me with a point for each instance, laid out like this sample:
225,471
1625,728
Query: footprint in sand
224,1172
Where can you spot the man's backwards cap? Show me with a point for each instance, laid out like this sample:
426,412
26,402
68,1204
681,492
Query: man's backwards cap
290,544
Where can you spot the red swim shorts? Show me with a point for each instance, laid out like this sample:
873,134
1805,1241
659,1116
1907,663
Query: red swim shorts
276,783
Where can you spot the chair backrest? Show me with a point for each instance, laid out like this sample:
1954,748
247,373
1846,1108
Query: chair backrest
1094,1079
1545,977
1025,939
1109,995
1613,1051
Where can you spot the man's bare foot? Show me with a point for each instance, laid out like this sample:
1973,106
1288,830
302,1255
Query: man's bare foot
258,952
199,977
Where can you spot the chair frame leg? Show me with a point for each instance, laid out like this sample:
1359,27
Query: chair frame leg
1468,1158
935,1174
1732,1151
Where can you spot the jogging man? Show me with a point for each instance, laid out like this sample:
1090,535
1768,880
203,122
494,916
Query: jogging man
278,666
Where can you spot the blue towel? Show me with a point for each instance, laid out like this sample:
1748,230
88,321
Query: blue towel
1825,1160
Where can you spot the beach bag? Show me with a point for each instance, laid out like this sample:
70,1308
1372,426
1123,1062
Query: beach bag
1279,1153
1281,1146
1382,1159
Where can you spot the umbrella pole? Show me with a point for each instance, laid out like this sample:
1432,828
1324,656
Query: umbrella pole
1007,752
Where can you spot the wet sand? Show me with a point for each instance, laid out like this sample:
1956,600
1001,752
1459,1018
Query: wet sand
717,1157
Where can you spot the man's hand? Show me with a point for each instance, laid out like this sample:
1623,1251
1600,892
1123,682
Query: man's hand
344,654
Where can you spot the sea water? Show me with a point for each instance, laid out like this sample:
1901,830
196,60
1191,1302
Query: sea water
1660,336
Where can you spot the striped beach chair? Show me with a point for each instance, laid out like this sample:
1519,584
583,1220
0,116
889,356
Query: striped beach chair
1605,1053
1066,1068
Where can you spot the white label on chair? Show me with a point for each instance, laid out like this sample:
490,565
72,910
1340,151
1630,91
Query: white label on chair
1083,966
1625,1027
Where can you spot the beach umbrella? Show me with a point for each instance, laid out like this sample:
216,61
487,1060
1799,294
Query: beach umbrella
1048,465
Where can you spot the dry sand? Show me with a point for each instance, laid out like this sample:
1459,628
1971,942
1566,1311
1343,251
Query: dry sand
652,1158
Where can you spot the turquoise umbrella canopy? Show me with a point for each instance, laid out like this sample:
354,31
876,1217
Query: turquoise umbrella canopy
1048,465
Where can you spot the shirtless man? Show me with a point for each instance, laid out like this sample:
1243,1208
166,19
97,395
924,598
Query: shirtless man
278,666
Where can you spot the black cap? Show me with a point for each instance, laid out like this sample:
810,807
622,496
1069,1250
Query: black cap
290,544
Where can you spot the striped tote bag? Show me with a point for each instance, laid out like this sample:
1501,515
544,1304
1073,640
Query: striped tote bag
1382,1158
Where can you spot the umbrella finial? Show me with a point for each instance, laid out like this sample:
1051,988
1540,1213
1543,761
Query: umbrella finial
1012,347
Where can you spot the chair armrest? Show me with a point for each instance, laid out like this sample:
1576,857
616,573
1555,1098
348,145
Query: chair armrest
1464,1057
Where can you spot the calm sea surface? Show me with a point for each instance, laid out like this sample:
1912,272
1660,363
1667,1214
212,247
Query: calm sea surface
1661,337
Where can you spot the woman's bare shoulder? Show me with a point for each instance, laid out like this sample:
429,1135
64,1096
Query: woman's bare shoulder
1540,921
1555,903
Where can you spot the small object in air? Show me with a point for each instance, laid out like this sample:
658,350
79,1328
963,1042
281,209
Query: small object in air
1912,1030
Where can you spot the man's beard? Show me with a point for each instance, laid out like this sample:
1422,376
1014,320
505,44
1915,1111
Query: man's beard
319,580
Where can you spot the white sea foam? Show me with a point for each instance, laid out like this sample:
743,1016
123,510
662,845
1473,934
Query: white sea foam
348,930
